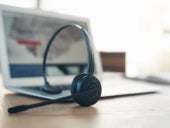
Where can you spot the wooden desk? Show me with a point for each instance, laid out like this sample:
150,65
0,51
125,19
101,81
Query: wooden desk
144,111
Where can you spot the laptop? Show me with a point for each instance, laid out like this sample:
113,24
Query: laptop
24,36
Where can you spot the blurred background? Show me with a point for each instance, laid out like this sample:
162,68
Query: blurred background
141,28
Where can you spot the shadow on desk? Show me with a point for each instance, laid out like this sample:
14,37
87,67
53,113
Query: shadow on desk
59,109
67,108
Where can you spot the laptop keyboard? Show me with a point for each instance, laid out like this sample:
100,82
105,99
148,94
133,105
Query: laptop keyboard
39,88
37,91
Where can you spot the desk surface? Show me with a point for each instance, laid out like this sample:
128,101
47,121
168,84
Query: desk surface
144,111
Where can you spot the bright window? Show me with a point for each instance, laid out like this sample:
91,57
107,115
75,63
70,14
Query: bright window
20,3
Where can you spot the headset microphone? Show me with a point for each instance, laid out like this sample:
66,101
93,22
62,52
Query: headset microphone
85,88
21,108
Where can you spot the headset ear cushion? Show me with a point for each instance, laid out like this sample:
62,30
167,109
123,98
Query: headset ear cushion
87,82
75,80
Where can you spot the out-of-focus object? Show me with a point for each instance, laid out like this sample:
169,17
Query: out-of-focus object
113,61
159,78
24,36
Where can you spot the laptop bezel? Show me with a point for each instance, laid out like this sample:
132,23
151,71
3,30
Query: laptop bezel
32,81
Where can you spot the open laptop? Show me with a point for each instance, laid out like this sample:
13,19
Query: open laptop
24,35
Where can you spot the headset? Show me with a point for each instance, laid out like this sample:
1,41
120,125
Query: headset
85,88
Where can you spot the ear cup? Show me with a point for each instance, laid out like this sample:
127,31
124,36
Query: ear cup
87,82
76,78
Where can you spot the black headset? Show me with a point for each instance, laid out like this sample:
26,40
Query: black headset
85,88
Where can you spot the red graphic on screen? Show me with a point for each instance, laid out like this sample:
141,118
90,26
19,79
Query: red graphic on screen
30,45
26,42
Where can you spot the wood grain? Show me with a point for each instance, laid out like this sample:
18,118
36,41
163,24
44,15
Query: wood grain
144,111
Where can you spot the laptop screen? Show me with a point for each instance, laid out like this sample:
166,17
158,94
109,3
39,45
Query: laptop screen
26,39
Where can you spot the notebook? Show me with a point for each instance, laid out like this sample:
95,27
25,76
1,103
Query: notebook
24,36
